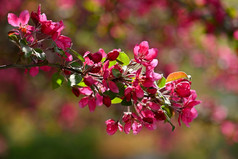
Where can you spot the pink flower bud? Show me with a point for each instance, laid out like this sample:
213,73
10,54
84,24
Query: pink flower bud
107,101
183,89
76,91
96,57
111,56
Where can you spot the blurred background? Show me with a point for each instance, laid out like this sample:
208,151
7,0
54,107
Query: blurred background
199,37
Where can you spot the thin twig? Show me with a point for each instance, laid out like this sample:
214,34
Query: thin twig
40,64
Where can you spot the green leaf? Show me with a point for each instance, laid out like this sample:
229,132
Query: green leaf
111,94
116,73
82,84
39,54
123,58
75,79
112,63
126,103
116,100
103,59
162,82
168,115
75,64
57,80
80,57
13,38
121,89
25,48
168,111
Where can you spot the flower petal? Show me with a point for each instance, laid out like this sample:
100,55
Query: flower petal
13,20
24,17
92,104
83,102
152,53
113,87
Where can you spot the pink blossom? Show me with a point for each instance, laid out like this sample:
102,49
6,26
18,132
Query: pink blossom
63,42
187,116
183,89
21,21
136,127
113,126
143,54
91,101
52,28
86,91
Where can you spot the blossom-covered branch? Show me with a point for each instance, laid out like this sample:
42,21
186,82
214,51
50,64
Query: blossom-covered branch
105,78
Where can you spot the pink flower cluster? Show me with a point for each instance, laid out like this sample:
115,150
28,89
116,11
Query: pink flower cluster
43,30
183,99
108,78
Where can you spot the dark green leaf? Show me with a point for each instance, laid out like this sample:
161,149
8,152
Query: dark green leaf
168,115
116,73
121,89
126,103
57,80
75,64
75,79
111,94
162,82
80,57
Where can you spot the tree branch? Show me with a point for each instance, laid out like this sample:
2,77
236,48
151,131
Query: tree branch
40,64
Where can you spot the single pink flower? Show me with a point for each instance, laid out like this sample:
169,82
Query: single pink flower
187,116
143,54
113,126
136,127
